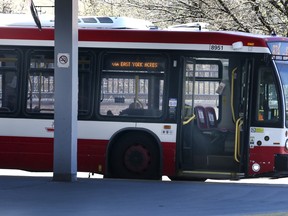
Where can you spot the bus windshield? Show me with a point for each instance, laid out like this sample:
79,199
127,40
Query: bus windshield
279,52
283,71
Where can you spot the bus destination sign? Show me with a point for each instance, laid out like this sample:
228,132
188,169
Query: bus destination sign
129,64
135,64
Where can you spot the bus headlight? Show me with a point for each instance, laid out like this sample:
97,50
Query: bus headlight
256,167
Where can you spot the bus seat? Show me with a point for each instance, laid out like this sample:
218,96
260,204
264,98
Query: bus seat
201,117
211,117
216,137
212,120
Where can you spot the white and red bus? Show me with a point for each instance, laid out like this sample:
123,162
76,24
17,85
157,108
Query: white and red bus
183,104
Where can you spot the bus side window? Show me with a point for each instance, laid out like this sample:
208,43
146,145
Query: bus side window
40,82
8,82
132,85
267,97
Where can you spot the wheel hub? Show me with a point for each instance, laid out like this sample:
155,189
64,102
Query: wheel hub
137,158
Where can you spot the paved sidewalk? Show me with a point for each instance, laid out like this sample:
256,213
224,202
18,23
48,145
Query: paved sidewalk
29,196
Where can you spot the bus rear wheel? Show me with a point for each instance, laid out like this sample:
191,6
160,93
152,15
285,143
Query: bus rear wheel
135,156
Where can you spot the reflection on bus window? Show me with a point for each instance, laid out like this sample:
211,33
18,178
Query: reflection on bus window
267,101
132,85
8,82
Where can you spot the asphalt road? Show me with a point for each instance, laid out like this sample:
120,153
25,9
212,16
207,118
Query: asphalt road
28,195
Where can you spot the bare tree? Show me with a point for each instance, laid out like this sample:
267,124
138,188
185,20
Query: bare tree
102,8
258,16
6,6
10,6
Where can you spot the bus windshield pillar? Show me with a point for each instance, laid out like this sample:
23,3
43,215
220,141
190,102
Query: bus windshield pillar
66,90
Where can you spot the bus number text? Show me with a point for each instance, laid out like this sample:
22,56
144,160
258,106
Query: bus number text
215,47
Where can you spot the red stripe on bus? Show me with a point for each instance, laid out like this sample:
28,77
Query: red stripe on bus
36,154
141,36
265,157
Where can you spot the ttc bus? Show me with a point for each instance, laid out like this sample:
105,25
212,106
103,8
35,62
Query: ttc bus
195,105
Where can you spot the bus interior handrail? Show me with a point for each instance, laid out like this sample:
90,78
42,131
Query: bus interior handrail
232,94
237,155
189,120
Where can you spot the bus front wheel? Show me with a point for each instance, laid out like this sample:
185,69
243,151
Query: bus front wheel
135,156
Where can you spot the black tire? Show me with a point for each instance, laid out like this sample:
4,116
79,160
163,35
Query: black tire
135,156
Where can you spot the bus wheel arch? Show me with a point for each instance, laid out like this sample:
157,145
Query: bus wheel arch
134,154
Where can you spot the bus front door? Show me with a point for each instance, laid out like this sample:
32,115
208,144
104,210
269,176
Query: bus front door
210,133
266,131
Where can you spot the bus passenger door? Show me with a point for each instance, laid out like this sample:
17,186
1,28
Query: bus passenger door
207,133
187,114
240,79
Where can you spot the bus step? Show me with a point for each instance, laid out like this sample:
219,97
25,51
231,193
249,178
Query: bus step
219,162
203,174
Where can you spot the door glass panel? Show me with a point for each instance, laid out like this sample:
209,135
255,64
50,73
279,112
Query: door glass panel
267,101
204,85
